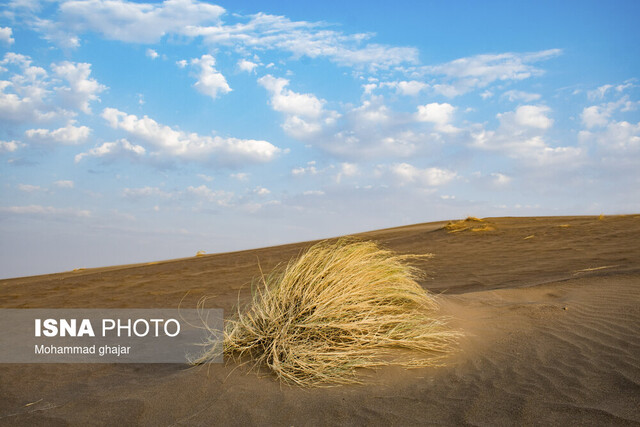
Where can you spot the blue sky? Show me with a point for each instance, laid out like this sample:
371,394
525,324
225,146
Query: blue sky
134,131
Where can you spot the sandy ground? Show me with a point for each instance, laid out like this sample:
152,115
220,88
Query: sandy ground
550,308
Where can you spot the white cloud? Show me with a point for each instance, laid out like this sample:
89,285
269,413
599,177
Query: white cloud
113,150
288,101
305,115
311,39
210,81
595,116
347,170
39,210
406,173
369,88
466,74
32,95
182,63
220,197
619,139
68,135
599,115
521,135
240,176
372,129
409,88
145,192
191,146
532,116
518,95
9,146
486,94
248,66
64,184
310,169
26,95
601,92
135,22
205,177
5,35
150,22
151,53
500,179
438,114
261,191
28,188
81,89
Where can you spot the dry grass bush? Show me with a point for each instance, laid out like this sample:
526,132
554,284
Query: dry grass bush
338,307
469,224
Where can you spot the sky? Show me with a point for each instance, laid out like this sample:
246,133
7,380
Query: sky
134,131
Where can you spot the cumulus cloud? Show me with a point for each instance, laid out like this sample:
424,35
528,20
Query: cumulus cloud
347,170
167,141
240,176
438,114
31,94
466,74
68,135
204,193
64,183
500,179
210,81
305,115
310,169
288,101
599,115
25,96
261,191
534,116
28,188
521,135
9,146
406,173
595,116
145,192
82,89
518,95
135,22
617,138
5,35
409,88
151,53
113,150
373,129
246,65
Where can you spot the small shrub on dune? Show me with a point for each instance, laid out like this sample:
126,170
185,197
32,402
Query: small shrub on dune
471,223
338,307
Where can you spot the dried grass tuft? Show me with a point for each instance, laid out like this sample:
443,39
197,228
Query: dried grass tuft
338,307
471,223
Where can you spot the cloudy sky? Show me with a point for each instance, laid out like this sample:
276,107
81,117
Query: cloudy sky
134,131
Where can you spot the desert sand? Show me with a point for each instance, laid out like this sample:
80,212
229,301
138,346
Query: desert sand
550,309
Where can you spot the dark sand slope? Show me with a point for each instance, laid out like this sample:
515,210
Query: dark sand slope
552,327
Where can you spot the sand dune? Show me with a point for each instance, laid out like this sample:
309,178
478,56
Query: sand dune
550,308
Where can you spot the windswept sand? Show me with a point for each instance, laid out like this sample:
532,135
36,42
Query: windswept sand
550,308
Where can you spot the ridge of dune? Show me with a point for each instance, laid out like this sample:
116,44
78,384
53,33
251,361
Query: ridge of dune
551,323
